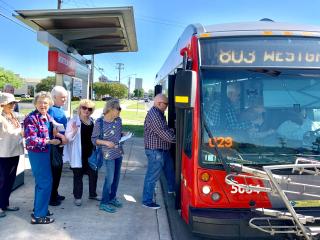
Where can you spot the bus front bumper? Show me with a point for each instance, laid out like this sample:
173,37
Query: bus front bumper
230,223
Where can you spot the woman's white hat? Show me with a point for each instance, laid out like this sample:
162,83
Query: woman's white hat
6,98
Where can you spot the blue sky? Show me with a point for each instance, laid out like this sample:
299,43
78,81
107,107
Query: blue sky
158,26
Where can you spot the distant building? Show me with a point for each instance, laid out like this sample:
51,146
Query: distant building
28,86
105,79
138,83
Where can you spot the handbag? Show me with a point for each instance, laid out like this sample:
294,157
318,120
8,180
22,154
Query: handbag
96,159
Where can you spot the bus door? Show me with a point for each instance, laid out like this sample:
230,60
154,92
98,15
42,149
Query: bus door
184,100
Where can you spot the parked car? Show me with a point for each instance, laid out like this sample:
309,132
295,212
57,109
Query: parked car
24,95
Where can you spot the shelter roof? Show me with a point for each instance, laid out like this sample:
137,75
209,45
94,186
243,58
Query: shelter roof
88,30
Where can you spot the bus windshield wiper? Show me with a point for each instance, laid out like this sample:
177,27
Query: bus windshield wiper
222,159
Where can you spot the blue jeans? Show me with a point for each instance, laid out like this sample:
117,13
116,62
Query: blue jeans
157,160
41,169
111,181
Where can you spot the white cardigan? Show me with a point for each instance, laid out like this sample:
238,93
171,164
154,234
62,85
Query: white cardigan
10,139
72,150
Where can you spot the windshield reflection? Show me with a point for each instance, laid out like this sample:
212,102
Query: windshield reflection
269,116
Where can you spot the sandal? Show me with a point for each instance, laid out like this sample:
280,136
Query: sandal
48,213
41,220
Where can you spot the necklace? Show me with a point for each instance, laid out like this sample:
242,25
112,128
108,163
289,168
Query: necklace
86,122
11,119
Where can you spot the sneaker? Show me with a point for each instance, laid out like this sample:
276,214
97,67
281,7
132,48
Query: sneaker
61,198
77,202
2,213
108,208
97,198
115,202
151,205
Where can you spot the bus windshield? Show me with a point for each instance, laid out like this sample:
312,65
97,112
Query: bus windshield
259,116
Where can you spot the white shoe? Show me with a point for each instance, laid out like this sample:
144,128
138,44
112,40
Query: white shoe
78,202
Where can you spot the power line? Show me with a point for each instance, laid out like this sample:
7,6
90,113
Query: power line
2,15
163,20
13,9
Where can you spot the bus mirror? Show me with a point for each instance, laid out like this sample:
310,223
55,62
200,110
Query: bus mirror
157,89
185,89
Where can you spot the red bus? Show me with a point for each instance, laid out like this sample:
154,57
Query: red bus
244,99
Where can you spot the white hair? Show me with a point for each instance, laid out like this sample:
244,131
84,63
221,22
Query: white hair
58,90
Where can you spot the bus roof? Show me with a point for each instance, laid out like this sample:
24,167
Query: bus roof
257,28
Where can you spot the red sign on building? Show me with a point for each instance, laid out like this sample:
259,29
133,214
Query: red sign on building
59,62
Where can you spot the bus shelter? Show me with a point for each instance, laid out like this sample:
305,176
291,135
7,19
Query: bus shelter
70,34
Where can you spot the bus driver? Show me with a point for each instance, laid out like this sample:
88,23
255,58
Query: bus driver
230,119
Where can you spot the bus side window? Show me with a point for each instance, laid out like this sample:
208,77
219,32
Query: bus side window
187,133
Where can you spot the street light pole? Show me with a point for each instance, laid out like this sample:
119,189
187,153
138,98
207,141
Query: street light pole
129,80
59,4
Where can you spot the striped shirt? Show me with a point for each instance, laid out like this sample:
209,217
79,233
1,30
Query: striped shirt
111,132
157,134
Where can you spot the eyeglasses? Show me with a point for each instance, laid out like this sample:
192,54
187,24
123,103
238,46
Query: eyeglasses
86,108
165,103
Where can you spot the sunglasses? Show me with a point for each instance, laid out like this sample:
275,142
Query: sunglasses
86,108
119,109
165,103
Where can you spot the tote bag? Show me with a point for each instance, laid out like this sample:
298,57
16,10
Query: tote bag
96,158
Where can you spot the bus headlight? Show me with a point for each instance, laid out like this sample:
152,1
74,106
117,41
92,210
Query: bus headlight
206,189
215,196
205,177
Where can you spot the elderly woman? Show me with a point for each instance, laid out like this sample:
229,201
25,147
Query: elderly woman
79,148
59,96
11,149
112,130
38,135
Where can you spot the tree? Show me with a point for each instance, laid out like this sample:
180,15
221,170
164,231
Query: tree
138,93
115,90
8,77
46,84
150,93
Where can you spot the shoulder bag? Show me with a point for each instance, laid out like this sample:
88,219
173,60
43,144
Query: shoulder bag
96,159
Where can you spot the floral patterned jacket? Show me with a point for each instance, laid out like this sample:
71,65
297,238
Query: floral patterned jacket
36,131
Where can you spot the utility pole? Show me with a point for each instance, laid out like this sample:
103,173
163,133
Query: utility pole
59,4
120,66
129,80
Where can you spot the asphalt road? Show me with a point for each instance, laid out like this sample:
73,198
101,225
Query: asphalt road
178,228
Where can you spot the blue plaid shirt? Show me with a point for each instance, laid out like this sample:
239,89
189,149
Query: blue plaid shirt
157,134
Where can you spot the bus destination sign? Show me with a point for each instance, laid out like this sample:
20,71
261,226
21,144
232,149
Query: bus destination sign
261,52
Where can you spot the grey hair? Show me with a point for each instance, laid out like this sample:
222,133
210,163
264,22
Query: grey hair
111,104
58,90
7,86
42,94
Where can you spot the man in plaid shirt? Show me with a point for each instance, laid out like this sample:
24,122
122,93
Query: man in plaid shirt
231,115
157,140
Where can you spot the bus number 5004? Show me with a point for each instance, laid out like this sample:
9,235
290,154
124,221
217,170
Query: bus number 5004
240,190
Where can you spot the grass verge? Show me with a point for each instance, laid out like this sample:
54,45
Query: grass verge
136,129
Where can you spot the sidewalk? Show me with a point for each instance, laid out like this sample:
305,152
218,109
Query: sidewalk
88,222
